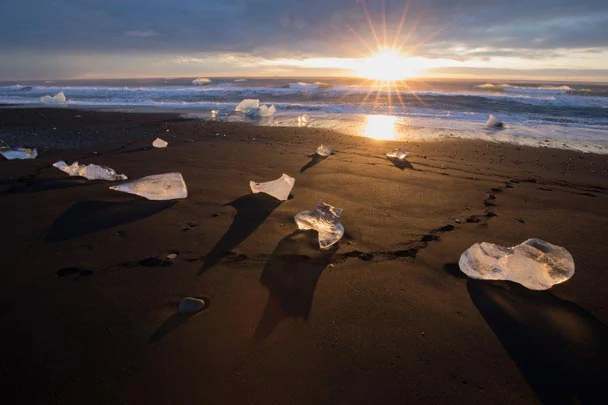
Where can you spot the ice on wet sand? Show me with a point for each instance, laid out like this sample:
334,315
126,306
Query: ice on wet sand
324,150
399,154
18,153
167,186
535,263
248,105
325,219
279,188
160,143
90,172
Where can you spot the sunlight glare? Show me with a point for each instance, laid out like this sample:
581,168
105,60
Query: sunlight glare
381,127
386,65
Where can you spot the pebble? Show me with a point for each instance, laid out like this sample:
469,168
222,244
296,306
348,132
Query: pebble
190,305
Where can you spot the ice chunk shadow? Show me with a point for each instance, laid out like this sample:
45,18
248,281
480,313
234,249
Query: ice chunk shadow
560,348
316,159
453,270
251,211
46,184
291,275
401,163
92,216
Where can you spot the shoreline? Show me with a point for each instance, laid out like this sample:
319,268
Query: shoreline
89,297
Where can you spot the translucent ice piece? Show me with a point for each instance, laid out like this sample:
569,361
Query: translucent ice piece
190,305
325,220
493,122
18,153
265,111
279,188
167,186
58,98
201,81
535,264
323,150
90,172
397,154
303,119
160,143
248,105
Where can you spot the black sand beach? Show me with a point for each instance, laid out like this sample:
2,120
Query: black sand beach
88,299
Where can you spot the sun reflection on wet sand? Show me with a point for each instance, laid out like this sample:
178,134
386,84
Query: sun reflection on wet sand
380,127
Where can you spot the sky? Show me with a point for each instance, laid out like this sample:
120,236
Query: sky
79,39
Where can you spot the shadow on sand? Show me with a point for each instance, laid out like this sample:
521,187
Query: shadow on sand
561,349
316,159
291,275
401,164
46,184
251,211
91,216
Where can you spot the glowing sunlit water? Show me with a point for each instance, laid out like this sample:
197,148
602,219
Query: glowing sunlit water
380,127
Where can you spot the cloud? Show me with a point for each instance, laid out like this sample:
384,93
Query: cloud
141,34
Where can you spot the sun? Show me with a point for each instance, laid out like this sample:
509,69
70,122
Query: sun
386,65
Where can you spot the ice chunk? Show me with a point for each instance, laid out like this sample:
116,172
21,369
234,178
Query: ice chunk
90,172
325,220
248,105
535,264
190,306
167,186
279,188
160,143
303,120
58,98
399,154
262,111
324,150
18,153
493,122
201,81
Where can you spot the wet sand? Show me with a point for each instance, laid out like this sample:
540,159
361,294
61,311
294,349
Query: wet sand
88,300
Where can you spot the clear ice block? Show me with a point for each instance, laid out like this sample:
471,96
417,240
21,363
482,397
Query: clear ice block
325,220
279,188
324,150
18,153
167,186
535,264
399,154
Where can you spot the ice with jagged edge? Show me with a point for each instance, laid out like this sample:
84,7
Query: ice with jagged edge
166,186
324,150
325,219
18,153
494,122
263,111
535,263
58,98
279,188
398,154
90,172
160,143
247,105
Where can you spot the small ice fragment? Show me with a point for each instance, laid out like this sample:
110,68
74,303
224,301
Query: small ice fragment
160,143
171,256
201,81
214,113
279,188
325,220
19,153
90,172
493,122
303,119
167,186
248,105
190,306
324,150
58,98
535,264
397,154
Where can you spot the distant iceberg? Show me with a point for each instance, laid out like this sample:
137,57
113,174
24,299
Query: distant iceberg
303,86
58,98
240,80
201,81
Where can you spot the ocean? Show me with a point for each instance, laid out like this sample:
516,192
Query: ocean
561,115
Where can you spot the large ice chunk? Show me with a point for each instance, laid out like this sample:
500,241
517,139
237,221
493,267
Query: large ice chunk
90,172
324,150
201,81
167,186
279,188
263,111
18,153
248,105
398,154
494,122
535,264
325,219
160,143
58,98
